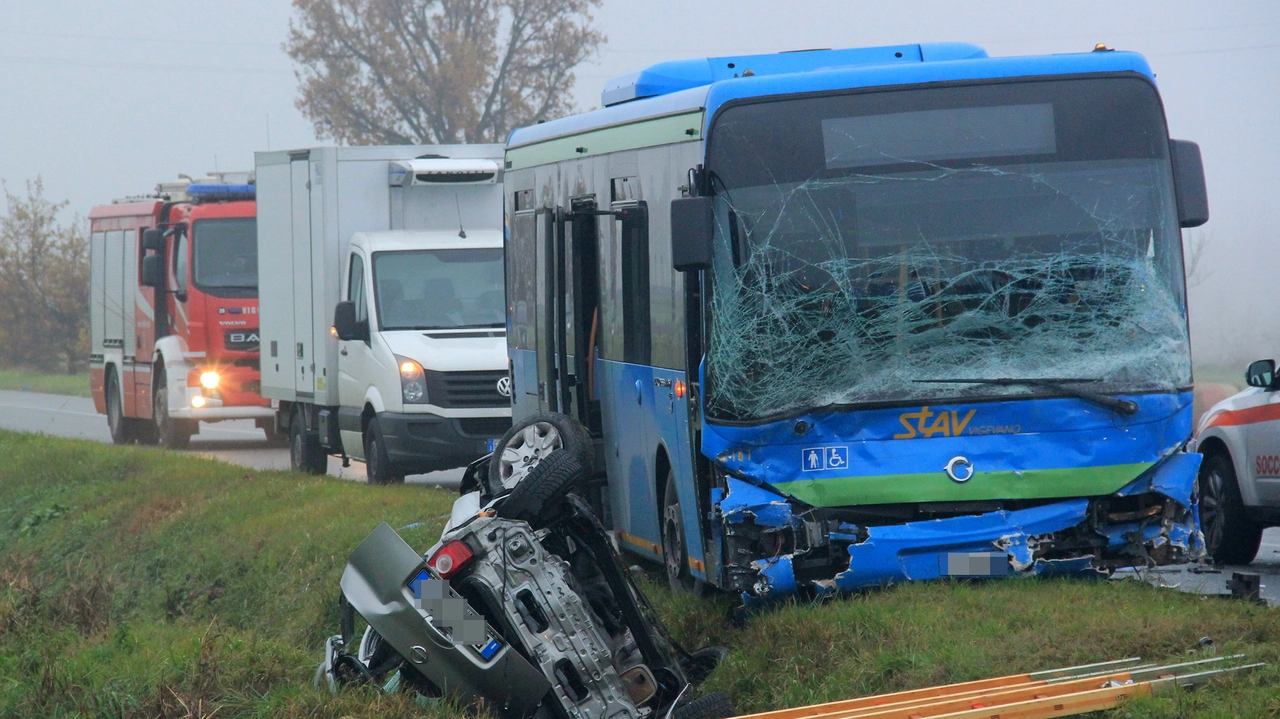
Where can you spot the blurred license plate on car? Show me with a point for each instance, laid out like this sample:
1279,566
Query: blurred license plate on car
975,564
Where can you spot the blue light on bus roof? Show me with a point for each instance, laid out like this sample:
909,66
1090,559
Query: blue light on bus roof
216,193
676,75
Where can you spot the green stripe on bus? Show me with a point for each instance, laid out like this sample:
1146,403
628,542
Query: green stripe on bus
938,487
646,133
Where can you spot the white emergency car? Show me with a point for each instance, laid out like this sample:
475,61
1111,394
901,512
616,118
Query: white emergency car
1240,477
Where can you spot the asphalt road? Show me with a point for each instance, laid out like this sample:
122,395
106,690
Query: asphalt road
236,441
239,442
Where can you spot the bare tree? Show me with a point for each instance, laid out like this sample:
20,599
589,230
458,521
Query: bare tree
44,284
436,71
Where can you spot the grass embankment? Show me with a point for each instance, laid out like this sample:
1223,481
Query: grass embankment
139,583
29,380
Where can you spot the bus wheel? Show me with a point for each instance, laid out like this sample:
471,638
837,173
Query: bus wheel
120,426
529,441
172,433
675,551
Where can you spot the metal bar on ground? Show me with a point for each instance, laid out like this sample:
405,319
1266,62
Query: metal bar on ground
1011,680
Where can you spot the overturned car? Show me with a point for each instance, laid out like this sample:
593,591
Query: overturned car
522,606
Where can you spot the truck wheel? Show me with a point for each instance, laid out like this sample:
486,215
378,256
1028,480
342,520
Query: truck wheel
675,550
120,426
305,452
532,439
1230,536
715,705
538,495
377,463
171,433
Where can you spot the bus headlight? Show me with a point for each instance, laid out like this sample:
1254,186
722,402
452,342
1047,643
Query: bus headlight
413,381
209,380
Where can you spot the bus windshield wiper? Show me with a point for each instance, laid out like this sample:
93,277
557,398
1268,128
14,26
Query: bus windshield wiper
1125,407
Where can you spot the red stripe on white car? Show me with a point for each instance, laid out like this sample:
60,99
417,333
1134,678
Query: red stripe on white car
1248,415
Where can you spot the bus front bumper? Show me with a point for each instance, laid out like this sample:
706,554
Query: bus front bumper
1151,521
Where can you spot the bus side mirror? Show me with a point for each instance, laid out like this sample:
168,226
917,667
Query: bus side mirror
1188,183
345,324
153,271
692,233
1261,373
153,239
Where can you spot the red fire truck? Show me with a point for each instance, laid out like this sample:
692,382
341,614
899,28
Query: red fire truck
174,311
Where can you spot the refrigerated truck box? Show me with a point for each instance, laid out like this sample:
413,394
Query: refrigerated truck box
437,199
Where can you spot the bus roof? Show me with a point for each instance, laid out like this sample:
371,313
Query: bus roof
675,94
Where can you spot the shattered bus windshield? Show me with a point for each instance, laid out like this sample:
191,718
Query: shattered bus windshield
867,241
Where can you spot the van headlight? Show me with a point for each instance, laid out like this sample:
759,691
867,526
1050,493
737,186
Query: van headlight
413,381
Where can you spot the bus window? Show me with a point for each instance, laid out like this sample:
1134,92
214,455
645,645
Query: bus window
636,332
522,280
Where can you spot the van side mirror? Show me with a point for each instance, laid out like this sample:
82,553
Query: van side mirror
1261,373
153,271
345,324
1188,183
692,233
153,239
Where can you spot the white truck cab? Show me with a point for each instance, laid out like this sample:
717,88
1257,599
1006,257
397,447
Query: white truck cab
425,358
383,305
1239,481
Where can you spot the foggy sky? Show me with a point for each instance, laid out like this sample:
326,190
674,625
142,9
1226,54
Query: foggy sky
106,99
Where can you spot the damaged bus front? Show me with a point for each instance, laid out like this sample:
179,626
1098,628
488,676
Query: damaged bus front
937,322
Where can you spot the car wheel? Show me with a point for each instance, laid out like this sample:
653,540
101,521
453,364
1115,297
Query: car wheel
1230,536
536,498
121,428
377,463
305,452
715,705
170,432
531,440
675,550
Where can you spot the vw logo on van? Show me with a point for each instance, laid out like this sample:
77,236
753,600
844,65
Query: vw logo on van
504,386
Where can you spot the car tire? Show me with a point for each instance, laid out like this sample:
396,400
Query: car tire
531,440
537,497
305,452
119,425
170,432
377,462
675,549
715,705
1230,536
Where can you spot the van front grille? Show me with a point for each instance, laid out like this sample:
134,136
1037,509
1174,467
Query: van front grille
463,390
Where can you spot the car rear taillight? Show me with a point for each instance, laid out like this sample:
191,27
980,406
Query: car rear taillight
450,559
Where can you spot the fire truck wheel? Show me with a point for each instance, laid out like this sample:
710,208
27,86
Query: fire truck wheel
377,462
675,550
120,426
172,433
1230,536
529,441
305,452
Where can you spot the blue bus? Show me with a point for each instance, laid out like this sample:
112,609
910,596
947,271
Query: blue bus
831,319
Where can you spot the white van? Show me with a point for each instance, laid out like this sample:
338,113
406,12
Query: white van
382,305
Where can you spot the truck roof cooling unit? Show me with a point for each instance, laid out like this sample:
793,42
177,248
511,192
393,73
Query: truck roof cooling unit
443,171
673,76
220,193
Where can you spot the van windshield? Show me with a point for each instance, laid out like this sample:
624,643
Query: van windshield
439,289
872,240
226,256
